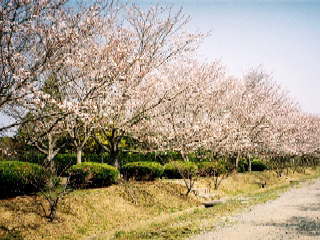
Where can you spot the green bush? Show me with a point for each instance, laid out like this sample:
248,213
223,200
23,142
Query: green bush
90,174
32,156
142,171
179,169
242,166
160,157
63,162
212,169
18,178
99,158
258,165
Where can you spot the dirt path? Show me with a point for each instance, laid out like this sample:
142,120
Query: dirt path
294,215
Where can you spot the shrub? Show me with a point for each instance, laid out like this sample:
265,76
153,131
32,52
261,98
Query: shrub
18,178
99,158
217,170
212,169
258,165
90,174
160,157
243,166
32,156
186,170
63,162
142,171
176,169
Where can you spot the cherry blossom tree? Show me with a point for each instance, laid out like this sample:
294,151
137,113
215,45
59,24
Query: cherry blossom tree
257,103
181,124
37,37
113,86
44,133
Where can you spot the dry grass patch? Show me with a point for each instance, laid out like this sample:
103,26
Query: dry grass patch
95,211
137,210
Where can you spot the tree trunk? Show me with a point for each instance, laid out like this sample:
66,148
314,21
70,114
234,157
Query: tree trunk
249,167
113,151
114,157
79,153
50,155
114,148
237,161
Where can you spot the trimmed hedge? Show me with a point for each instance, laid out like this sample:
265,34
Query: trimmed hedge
18,178
176,169
32,156
160,157
64,161
258,165
142,171
212,169
91,174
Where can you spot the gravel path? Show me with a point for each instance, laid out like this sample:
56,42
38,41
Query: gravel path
294,215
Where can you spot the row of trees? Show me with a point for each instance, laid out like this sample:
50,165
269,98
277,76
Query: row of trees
244,117
110,71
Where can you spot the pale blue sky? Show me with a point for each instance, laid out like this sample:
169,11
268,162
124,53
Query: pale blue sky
282,36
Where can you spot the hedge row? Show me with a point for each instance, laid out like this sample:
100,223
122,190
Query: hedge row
142,171
25,177
64,161
149,171
179,169
91,174
21,178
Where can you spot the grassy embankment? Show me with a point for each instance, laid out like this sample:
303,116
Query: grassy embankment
131,211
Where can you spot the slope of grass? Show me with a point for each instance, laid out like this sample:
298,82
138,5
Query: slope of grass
149,210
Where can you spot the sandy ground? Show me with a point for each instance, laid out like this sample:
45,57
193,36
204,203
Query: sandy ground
294,215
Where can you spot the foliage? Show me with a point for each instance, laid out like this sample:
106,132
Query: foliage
160,157
63,162
18,178
279,163
258,165
175,169
90,174
142,171
32,156
214,168
99,158
243,165
217,170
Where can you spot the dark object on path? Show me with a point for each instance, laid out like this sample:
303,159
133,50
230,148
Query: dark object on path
212,203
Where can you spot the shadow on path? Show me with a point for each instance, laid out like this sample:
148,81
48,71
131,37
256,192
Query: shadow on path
315,207
301,225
